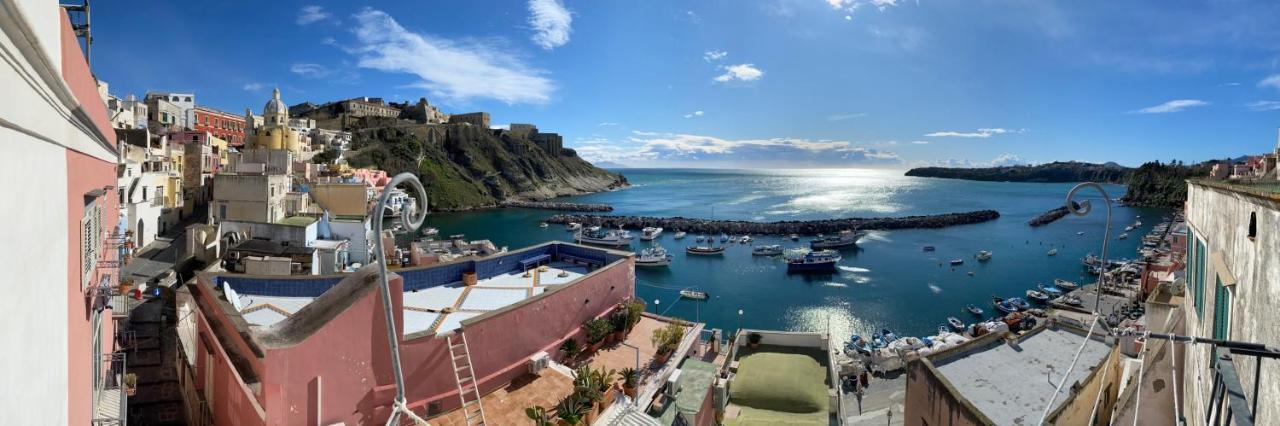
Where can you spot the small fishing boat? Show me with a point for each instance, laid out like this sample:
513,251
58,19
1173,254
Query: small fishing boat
1064,284
1018,303
597,236
928,248
680,234
1003,305
882,338
942,329
544,225
701,238
974,310
1080,233
955,323
845,238
1070,300
724,237
746,239
769,250
1137,224
705,250
983,255
572,226
794,237
1128,228
653,257
1053,252
693,294
1123,236
955,262
857,344
1051,291
650,233
1037,296
821,261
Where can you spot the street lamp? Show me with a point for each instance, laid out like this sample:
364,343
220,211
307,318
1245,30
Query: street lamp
1085,208
739,319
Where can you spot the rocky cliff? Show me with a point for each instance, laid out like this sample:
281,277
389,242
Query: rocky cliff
465,167
1060,171
1161,184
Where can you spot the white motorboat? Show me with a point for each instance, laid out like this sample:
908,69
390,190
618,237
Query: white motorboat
597,236
650,233
724,237
984,255
680,234
1037,296
746,239
1123,236
701,238
653,256
1064,284
543,225
843,239
693,294
573,226
1052,252
794,237
768,250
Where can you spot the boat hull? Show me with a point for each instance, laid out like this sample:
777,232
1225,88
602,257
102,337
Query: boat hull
812,268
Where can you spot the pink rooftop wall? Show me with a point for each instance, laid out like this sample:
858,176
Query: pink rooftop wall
347,363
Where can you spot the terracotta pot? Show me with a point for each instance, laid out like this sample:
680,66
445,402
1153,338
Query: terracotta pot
609,395
630,391
592,413
661,358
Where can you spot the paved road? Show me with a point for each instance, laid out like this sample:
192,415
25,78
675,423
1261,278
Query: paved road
881,396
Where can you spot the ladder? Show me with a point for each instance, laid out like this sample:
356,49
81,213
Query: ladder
465,376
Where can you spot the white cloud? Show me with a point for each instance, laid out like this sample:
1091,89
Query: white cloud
1000,161
551,23
920,142
675,148
311,14
848,116
449,69
981,133
1263,106
693,114
1176,105
608,123
310,70
1272,81
254,87
740,72
714,55
848,7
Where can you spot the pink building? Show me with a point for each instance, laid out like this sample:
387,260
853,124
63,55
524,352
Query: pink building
377,179
60,256
313,350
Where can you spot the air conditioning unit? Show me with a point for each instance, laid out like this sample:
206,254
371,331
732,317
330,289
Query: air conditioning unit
673,383
539,362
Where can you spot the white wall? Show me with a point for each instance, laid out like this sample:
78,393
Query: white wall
33,334
357,233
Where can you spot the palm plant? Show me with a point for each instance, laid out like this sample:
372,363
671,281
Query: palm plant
629,377
538,415
571,350
571,409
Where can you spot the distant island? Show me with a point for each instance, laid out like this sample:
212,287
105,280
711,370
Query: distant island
1153,184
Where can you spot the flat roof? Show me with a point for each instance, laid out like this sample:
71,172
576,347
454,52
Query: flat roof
1266,189
425,310
1011,384
297,220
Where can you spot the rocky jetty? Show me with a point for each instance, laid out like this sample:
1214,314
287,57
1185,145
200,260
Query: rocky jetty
551,205
805,227
1051,215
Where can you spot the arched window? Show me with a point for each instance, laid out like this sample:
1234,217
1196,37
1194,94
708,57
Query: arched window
1253,225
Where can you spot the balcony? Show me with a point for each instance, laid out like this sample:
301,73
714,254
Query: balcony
110,392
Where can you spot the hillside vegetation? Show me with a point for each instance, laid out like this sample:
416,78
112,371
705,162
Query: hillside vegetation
465,167
1153,184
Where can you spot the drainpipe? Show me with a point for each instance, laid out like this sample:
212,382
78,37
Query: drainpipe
410,222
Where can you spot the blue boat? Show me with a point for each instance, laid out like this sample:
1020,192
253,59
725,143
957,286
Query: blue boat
821,261
1019,303
859,345
1003,305
882,338
1050,290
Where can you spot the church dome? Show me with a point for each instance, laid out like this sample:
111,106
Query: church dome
275,105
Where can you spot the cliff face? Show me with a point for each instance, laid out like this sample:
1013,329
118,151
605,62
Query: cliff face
464,167
1062,171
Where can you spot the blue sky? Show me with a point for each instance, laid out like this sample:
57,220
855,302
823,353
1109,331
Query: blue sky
724,83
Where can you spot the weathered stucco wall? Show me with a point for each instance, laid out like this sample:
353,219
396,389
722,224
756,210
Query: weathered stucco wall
1220,219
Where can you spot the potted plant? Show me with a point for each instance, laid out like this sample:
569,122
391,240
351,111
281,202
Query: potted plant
571,350
538,415
635,311
621,322
596,331
753,340
605,383
571,410
666,339
630,378
587,387
130,384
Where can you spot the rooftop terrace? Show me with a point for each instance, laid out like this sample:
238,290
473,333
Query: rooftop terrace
1012,383
1268,189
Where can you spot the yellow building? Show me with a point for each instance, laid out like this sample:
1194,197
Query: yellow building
274,132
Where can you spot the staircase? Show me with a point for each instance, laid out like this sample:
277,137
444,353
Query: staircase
468,390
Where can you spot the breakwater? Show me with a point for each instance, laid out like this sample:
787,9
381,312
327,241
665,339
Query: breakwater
551,205
808,227
1051,215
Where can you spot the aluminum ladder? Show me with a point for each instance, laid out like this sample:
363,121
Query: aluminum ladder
465,377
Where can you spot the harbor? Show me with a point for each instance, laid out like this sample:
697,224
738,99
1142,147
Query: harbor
809,227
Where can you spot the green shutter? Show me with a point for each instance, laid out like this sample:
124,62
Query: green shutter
1221,310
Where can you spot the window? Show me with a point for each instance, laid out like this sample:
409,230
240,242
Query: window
1221,310
1199,263
90,241
1253,226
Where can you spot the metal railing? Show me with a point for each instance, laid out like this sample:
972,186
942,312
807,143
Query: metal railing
110,392
1228,403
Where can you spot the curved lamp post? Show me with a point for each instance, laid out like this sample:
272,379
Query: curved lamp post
1085,208
411,220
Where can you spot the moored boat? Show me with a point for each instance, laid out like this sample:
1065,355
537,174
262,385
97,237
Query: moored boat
955,262
1037,296
984,255
707,250
1064,284
746,239
693,294
794,237
1018,303
650,233
680,234
573,226
1123,236
973,310
1052,252
845,238
724,237
544,225
821,261
597,236
701,238
1050,291
955,323
768,250
653,257
928,248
